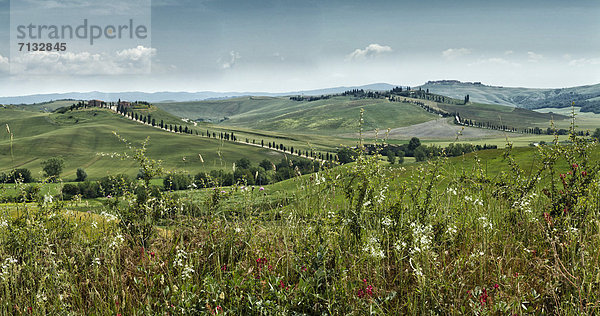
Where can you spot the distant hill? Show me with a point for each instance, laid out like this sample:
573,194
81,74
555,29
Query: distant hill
172,96
586,97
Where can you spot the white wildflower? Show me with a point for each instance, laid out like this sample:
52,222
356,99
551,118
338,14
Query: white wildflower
422,237
48,199
452,230
187,272
180,257
486,223
387,222
117,241
109,217
373,248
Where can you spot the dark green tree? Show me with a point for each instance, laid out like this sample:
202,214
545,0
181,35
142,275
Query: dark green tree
346,155
391,157
53,167
81,175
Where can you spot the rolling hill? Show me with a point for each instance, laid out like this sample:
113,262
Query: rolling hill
79,136
331,116
587,97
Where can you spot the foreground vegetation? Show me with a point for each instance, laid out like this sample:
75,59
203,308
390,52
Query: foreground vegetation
447,236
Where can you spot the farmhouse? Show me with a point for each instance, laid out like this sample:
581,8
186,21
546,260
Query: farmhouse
95,103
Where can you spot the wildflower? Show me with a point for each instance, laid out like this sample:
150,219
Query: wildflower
47,199
282,285
152,254
360,293
483,297
496,286
452,230
574,166
373,248
187,272
303,269
387,221
218,309
261,189
224,267
584,173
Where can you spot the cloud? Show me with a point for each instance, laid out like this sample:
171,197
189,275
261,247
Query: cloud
4,66
369,51
453,53
128,61
584,61
494,61
233,58
508,52
533,57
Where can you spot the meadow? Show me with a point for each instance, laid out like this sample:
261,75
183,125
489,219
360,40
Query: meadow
496,232
501,231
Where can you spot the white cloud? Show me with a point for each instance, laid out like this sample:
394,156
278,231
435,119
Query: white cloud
494,61
128,61
533,57
508,52
369,51
452,53
233,58
4,66
584,61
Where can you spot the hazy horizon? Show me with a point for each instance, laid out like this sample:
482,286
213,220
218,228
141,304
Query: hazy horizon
286,46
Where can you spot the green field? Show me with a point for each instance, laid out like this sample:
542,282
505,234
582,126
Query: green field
80,136
503,115
325,117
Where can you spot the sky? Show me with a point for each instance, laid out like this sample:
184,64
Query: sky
287,45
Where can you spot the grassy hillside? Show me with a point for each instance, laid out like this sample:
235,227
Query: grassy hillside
503,115
521,97
332,116
79,136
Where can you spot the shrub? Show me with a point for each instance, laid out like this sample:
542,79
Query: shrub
20,175
69,190
346,155
177,181
114,185
89,190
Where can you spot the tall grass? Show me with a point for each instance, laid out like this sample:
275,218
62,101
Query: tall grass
358,239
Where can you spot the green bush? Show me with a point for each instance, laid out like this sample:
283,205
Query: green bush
177,181
21,175
70,190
